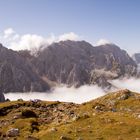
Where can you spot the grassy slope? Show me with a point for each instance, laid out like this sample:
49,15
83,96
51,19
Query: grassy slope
116,118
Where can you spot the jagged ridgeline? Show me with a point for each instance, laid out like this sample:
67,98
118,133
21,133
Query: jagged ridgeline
78,63
68,62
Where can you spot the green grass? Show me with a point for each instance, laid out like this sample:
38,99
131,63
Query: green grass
95,125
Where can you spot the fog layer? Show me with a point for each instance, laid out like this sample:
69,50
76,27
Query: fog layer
132,84
77,95
63,93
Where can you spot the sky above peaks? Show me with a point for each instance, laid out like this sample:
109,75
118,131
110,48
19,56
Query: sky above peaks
117,21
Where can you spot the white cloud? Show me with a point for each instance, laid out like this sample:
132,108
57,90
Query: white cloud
14,41
15,37
51,39
103,42
28,42
68,36
8,32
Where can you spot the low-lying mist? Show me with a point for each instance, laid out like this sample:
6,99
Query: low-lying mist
77,95
132,84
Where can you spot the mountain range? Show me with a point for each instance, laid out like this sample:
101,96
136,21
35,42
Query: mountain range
73,63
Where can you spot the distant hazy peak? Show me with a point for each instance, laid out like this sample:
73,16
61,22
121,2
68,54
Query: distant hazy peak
136,57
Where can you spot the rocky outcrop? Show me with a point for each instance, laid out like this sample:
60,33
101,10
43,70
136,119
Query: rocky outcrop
13,132
17,75
78,63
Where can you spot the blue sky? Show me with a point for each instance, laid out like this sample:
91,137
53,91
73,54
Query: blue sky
115,20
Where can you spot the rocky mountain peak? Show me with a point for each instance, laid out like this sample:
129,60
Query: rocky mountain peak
136,58
73,63
77,62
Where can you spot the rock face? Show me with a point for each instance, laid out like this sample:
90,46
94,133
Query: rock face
66,62
78,63
17,75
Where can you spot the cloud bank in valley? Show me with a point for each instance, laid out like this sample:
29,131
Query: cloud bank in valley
63,93
78,95
132,84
